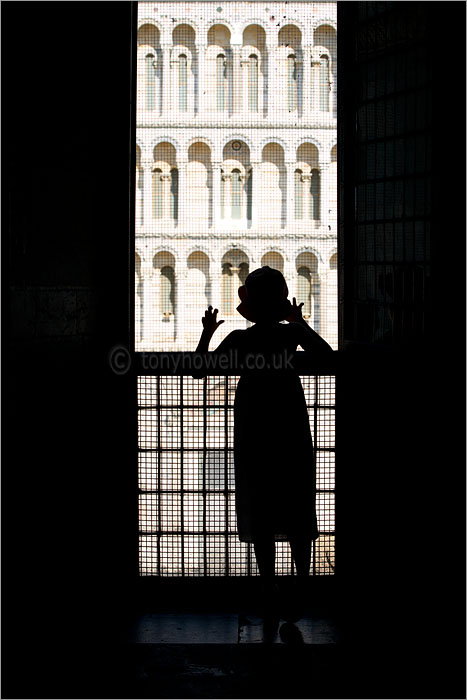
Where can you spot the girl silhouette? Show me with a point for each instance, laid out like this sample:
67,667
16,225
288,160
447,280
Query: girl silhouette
273,448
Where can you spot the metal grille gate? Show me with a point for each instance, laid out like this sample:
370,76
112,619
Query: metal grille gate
186,478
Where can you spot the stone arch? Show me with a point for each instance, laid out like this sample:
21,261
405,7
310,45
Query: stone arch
331,184
149,34
274,139
179,39
235,266
249,38
308,287
138,297
254,69
197,248
199,175
166,139
197,285
273,259
165,152
324,21
291,35
251,23
201,139
325,34
149,68
141,254
303,142
163,248
218,68
221,22
313,251
199,147
273,187
274,248
242,152
308,258
308,184
289,65
139,186
219,34
183,77
165,182
164,265
236,183
273,147
243,246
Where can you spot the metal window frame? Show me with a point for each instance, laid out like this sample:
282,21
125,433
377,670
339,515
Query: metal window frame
302,363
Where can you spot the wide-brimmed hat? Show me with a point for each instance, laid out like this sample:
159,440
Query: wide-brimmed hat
264,296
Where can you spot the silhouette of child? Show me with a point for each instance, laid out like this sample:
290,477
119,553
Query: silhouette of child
273,448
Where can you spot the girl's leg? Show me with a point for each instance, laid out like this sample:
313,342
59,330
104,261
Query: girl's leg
292,608
301,553
265,553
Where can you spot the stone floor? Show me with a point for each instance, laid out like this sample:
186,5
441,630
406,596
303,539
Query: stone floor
199,628
227,655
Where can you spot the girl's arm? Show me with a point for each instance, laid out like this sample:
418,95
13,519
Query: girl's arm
306,337
210,326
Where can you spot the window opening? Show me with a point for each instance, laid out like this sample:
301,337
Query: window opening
236,168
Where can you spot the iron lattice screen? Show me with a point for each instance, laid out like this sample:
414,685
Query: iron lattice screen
392,173
187,522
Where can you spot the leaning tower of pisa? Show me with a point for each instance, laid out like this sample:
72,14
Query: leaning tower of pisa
236,161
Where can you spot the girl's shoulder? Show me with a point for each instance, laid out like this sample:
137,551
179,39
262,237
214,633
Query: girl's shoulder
232,340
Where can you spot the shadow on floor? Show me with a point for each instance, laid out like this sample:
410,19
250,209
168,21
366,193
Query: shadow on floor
212,655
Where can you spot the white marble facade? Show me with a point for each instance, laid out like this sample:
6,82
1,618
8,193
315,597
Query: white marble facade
236,161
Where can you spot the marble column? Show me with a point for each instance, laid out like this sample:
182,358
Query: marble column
183,213
290,169
324,173
166,75
149,302
182,305
276,98
236,79
256,194
216,287
307,82
147,194
290,275
244,107
202,48
216,195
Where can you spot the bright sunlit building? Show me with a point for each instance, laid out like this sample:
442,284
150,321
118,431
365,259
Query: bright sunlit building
236,162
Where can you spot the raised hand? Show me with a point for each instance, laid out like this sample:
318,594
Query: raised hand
295,315
209,320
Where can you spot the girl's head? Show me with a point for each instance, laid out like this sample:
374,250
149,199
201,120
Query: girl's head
264,296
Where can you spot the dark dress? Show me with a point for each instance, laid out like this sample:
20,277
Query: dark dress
273,448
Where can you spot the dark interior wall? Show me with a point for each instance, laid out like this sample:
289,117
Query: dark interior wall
68,462
401,482
402,114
